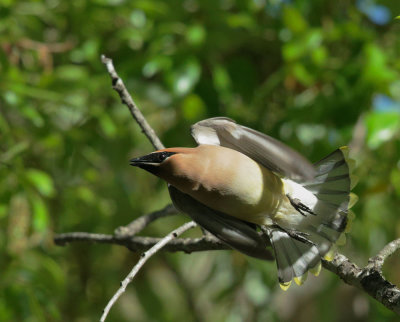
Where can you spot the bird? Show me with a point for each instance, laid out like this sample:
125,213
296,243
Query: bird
255,194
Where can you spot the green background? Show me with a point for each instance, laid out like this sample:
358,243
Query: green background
315,74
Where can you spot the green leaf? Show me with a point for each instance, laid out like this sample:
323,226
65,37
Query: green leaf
302,46
86,195
195,35
381,127
156,64
3,210
319,56
193,107
221,78
14,151
42,181
71,72
376,70
302,75
107,125
138,18
187,75
241,20
40,214
293,20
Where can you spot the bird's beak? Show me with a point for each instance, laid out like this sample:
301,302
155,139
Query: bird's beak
149,159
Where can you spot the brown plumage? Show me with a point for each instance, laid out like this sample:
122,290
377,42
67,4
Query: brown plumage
212,175
238,177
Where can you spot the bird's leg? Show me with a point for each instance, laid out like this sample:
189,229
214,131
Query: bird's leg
293,233
300,207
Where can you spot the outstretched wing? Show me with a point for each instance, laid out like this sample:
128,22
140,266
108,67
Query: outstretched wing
262,148
232,231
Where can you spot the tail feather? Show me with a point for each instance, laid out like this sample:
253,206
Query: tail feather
323,227
332,181
294,258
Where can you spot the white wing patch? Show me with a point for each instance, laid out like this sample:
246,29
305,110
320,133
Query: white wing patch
205,135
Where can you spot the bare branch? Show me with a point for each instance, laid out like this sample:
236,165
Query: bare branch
142,222
368,279
119,86
378,260
142,261
140,244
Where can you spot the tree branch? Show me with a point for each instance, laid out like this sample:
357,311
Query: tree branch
369,278
142,261
378,261
140,244
119,86
142,222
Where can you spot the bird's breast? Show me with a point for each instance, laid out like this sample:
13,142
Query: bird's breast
230,182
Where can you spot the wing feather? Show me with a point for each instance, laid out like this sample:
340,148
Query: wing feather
262,148
232,231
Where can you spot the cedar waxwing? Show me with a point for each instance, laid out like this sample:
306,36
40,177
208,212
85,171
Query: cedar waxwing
238,179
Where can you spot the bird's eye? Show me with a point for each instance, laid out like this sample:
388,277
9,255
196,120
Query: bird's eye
164,155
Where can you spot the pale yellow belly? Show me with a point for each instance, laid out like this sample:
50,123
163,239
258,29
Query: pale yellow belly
252,195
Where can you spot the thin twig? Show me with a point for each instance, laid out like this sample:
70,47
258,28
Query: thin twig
142,261
378,260
142,222
119,86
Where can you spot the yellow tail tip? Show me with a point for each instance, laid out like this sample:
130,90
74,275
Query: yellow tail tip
353,200
301,279
316,269
353,181
330,254
285,286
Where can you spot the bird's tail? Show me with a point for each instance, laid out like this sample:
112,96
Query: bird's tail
324,218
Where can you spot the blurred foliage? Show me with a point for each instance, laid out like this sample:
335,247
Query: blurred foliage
315,74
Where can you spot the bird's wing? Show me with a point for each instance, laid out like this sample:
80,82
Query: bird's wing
234,232
262,148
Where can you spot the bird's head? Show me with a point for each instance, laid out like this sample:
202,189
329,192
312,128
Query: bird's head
166,163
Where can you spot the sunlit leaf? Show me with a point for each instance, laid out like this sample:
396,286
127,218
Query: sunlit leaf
186,77
41,181
138,18
40,214
196,34
302,75
381,127
193,107
303,46
155,65
376,70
